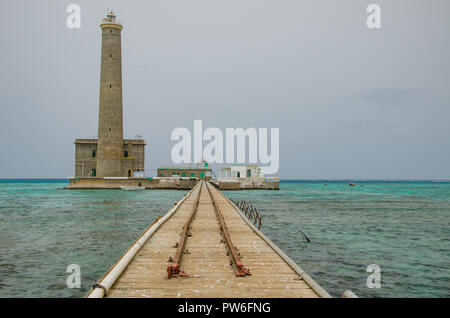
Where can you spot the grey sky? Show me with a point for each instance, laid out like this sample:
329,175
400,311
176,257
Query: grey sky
350,102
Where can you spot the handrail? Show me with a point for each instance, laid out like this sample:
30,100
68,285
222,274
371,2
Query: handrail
308,280
107,281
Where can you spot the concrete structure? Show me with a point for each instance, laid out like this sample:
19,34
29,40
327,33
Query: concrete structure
242,171
239,177
132,159
202,171
117,182
219,238
110,155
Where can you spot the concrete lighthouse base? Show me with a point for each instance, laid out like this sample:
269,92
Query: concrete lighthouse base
116,183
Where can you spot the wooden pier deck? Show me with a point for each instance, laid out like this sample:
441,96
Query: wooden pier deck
205,257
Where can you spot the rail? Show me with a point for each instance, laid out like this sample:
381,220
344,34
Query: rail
240,270
101,288
173,269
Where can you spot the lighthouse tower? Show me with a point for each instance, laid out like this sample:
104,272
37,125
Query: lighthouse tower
110,117
110,156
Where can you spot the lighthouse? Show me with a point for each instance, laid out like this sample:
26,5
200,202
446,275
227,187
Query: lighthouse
110,116
110,156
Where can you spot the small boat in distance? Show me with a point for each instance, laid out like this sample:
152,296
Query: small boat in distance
132,188
351,184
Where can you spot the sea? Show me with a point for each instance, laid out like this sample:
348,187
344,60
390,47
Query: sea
377,238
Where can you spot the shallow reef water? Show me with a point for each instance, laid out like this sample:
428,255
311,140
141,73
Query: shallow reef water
403,227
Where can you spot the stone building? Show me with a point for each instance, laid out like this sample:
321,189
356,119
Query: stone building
202,171
132,161
110,155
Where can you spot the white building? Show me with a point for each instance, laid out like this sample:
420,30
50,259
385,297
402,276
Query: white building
238,177
242,172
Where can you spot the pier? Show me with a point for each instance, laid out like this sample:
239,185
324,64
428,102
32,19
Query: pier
205,247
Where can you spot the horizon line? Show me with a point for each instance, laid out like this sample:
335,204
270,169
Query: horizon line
281,179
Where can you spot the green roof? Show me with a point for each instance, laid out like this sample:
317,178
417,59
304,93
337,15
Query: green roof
184,168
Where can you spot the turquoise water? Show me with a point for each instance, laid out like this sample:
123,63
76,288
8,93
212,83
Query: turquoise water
404,227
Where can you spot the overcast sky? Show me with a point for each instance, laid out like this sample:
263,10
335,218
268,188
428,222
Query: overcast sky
350,102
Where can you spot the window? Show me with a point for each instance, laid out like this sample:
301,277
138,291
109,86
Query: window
192,175
93,172
202,174
183,174
249,173
93,153
125,153
238,174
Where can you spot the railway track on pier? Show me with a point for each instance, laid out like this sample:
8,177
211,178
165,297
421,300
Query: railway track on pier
205,247
173,268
